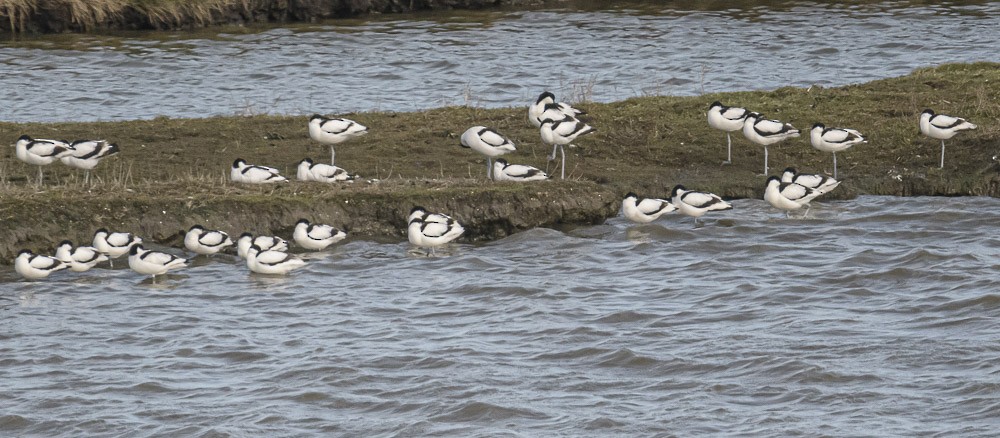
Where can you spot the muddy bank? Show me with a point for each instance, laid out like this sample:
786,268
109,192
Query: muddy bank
51,16
364,210
646,145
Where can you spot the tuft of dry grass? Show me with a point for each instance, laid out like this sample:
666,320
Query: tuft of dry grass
86,15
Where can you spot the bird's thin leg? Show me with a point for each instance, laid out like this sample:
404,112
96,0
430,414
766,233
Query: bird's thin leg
86,177
555,147
489,168
834,165
942,154
563,152
765,160
729,149
39,176
333,155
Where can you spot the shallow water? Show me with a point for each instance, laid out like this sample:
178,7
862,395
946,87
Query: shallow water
877,316
488,59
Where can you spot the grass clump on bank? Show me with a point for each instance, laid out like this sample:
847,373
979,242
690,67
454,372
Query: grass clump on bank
645,145
41,16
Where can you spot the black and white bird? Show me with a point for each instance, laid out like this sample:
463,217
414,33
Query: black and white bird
546,107
767,132
560,133
728,119
87,153
423,215
820,183
33,266
41,152
430,230
316,236
153,263
265,243
333,131
942,127
696,204
488,142
242,172
504,171
114,245
81,258
271,262
206,242
834,140
788,196
645,210
327,173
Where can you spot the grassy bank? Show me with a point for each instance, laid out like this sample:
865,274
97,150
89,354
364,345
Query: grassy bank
40,16
646,145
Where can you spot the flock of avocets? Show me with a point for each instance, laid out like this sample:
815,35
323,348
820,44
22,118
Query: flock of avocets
559,125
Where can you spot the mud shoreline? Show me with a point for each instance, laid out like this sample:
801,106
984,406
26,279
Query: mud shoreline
173,173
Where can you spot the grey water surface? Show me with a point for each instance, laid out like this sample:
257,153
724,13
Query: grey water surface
489,59
878,316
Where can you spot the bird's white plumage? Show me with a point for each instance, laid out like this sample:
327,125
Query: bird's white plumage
148,262
788,196
242,172
35,267
559,133
316,236
41,152
563,131
766,131
206,242
265,243
504,171
486,141
941,126
87,153
424,216
696,204
820,183
645,210
81,258
271,262
432,229
834,139
331,131
726,118
114,245
546,107
310,171
334,131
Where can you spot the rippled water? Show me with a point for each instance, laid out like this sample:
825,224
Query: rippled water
486,59
878,316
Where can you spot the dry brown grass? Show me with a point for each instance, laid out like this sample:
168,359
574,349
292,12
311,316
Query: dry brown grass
17,12
87,15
